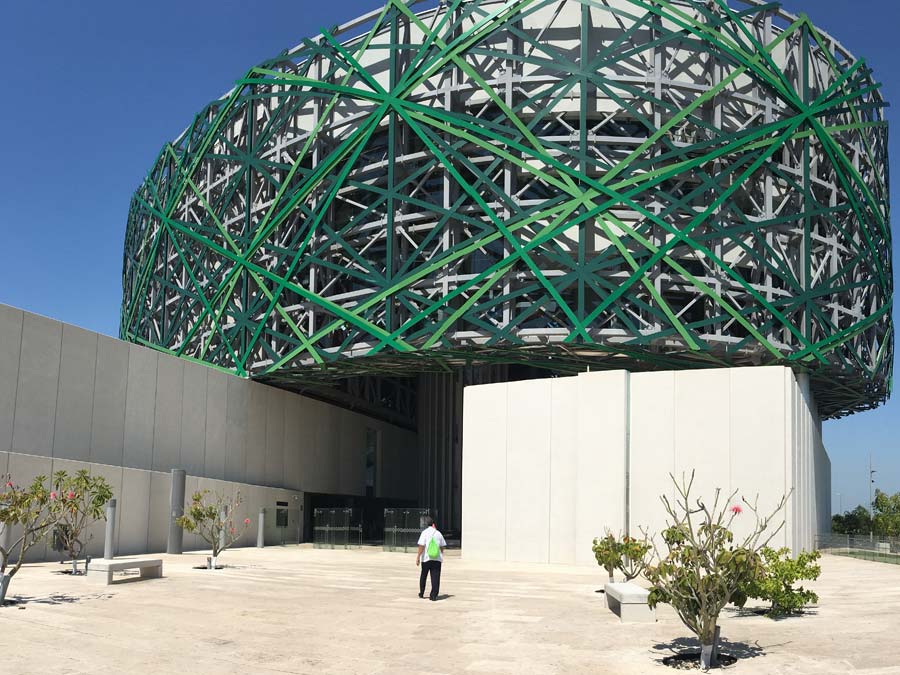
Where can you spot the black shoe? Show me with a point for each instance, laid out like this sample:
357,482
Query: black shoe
432,599
422,595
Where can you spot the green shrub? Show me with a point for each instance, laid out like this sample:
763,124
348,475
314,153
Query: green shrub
634,556
628,555
606,551
780,572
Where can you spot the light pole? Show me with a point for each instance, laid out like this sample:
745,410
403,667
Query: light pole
872,473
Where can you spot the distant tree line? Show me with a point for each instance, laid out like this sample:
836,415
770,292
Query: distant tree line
885,523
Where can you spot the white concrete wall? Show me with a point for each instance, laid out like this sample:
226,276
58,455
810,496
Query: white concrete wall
536,479
547,463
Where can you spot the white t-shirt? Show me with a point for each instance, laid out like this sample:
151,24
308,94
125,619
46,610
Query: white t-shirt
427,535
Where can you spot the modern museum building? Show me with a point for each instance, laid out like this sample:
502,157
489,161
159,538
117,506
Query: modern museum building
513,261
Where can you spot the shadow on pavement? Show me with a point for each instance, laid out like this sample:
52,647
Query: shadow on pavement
739,650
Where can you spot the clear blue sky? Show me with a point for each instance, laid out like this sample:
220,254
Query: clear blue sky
93,89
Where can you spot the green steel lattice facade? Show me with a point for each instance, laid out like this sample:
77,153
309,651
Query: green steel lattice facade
632,184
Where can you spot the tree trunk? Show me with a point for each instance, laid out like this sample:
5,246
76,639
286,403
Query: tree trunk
709,650
74,565
211,562
4,584
706,657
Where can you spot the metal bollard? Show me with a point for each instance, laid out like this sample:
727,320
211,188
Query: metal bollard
261,528
109,543
175,543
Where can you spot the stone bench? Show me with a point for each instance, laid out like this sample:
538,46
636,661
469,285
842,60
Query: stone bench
629,602
150,568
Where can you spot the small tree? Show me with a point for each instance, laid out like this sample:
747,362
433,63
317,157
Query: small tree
857,521
29,509
886,522
628,555
705,569
634,556
606,551
781,572
213,520
78,501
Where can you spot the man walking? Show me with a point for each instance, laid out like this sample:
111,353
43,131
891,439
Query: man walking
430,557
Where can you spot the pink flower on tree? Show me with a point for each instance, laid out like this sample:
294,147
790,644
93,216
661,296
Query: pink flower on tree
70,495
246,521
737,510
52,495
9,484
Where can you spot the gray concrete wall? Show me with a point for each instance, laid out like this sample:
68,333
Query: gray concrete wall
74,399
143,504
66,393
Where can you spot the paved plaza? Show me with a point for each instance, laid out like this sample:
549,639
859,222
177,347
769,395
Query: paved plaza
303,610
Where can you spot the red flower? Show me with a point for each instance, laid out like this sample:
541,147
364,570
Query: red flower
736,509
70,495
52,495
246,521
9,484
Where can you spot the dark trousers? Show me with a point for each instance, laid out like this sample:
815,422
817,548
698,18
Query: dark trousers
434,568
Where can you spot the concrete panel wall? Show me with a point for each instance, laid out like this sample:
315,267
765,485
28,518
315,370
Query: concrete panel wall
703,429
75,401
134,503
274,457
652,444
192,444
216,441
606,444
484,471
140,408
809,511
68,394
108,410
38,385
601,454
10,350
563,470
528,470
167,414
758,451
143,498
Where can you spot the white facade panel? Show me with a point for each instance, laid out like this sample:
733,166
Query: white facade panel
604,439
600,457
528,470
651,448
563,470
484,471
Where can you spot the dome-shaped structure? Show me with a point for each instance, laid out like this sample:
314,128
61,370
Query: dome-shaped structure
563,183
